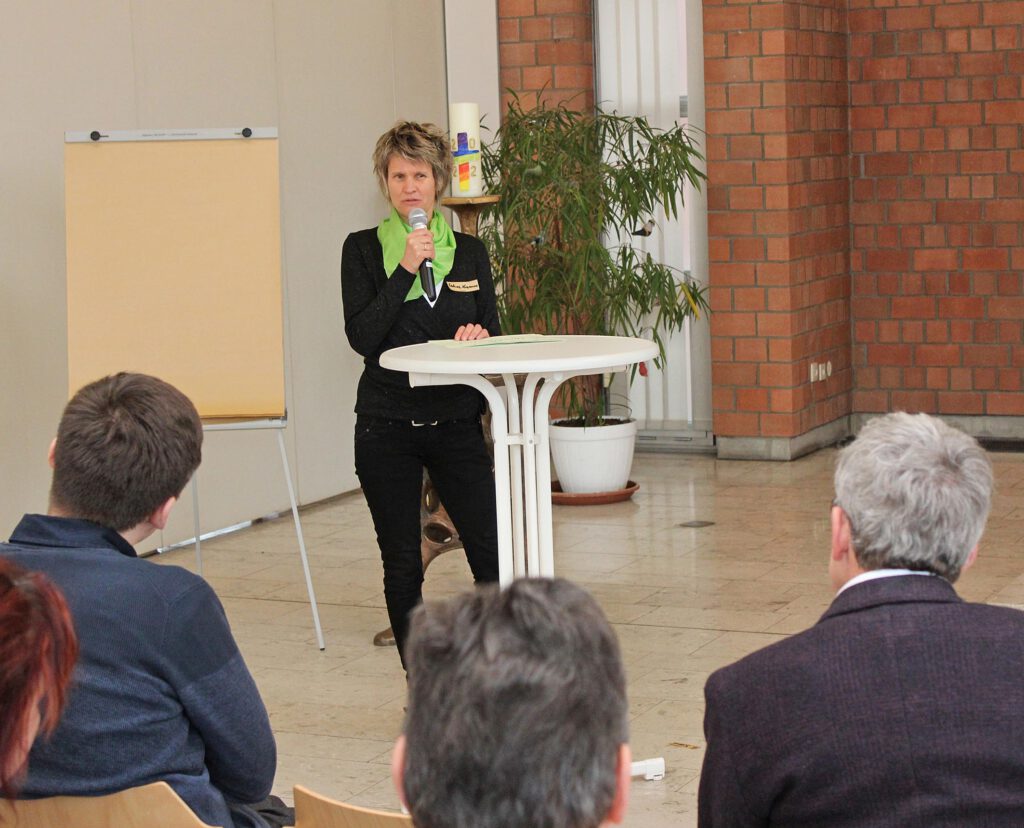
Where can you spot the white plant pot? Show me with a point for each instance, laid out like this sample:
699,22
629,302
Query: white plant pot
594,459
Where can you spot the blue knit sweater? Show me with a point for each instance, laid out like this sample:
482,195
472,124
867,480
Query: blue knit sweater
160,690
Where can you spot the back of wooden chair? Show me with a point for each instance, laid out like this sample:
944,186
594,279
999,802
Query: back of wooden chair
315,811
147,806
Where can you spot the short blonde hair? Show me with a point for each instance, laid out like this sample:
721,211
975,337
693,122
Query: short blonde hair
414,142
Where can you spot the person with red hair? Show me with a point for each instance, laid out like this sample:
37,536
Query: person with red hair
38,649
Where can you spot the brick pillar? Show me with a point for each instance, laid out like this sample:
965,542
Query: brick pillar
546,50
778,223
938,206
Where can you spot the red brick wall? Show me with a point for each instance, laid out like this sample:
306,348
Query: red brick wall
938,205
865,192
778,214
546,50
907,275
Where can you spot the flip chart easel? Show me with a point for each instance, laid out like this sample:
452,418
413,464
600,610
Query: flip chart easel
279,426
174,270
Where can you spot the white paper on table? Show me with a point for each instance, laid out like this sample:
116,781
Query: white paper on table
510,339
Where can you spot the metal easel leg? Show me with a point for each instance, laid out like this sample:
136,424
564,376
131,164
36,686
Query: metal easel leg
302,542
195,518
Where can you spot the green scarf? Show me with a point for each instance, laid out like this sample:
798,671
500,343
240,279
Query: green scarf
392,232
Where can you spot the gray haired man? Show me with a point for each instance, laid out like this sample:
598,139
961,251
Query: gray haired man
517,712
903,705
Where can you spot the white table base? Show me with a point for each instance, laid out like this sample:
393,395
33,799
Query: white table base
519,428
522,468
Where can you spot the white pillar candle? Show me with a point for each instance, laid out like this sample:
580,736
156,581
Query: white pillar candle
464,129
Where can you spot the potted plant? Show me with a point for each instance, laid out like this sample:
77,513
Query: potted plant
577,190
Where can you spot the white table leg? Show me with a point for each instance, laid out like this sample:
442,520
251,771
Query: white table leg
545,535
513,449
532,459
542,471
500,436
502,493
515,459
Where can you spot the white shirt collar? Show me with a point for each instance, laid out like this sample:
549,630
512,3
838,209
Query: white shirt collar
437,295
873,574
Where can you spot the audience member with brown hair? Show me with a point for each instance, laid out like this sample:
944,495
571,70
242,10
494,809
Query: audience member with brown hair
161,691
37,653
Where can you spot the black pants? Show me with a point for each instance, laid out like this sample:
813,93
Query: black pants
390,458
271,812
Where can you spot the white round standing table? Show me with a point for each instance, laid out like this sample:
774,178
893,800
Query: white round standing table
519,427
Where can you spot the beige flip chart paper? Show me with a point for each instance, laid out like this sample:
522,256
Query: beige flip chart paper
174,268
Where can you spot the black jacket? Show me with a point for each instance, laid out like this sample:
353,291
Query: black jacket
903,706
377,318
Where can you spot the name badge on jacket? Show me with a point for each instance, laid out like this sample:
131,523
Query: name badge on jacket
464,287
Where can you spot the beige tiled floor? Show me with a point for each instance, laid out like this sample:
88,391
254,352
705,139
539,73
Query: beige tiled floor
683,601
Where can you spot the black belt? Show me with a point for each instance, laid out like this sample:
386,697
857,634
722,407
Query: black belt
420,423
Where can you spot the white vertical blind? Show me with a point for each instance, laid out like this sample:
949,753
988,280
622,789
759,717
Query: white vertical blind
642,68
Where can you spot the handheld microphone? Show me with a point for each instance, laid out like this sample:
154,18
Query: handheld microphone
418,219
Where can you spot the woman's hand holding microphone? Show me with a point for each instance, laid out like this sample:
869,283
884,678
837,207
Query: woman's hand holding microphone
419,245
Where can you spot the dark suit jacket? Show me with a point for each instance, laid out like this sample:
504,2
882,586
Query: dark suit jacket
903,706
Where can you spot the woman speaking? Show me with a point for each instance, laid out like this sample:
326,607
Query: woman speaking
402,430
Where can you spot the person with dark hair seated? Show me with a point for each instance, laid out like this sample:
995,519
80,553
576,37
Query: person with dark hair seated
38,649
161,691
517,712
904,705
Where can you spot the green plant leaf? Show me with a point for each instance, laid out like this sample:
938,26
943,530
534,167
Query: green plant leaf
574,186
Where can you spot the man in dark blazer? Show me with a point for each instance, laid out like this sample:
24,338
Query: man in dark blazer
904,705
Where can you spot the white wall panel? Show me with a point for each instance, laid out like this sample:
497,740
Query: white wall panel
330,75
471,46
